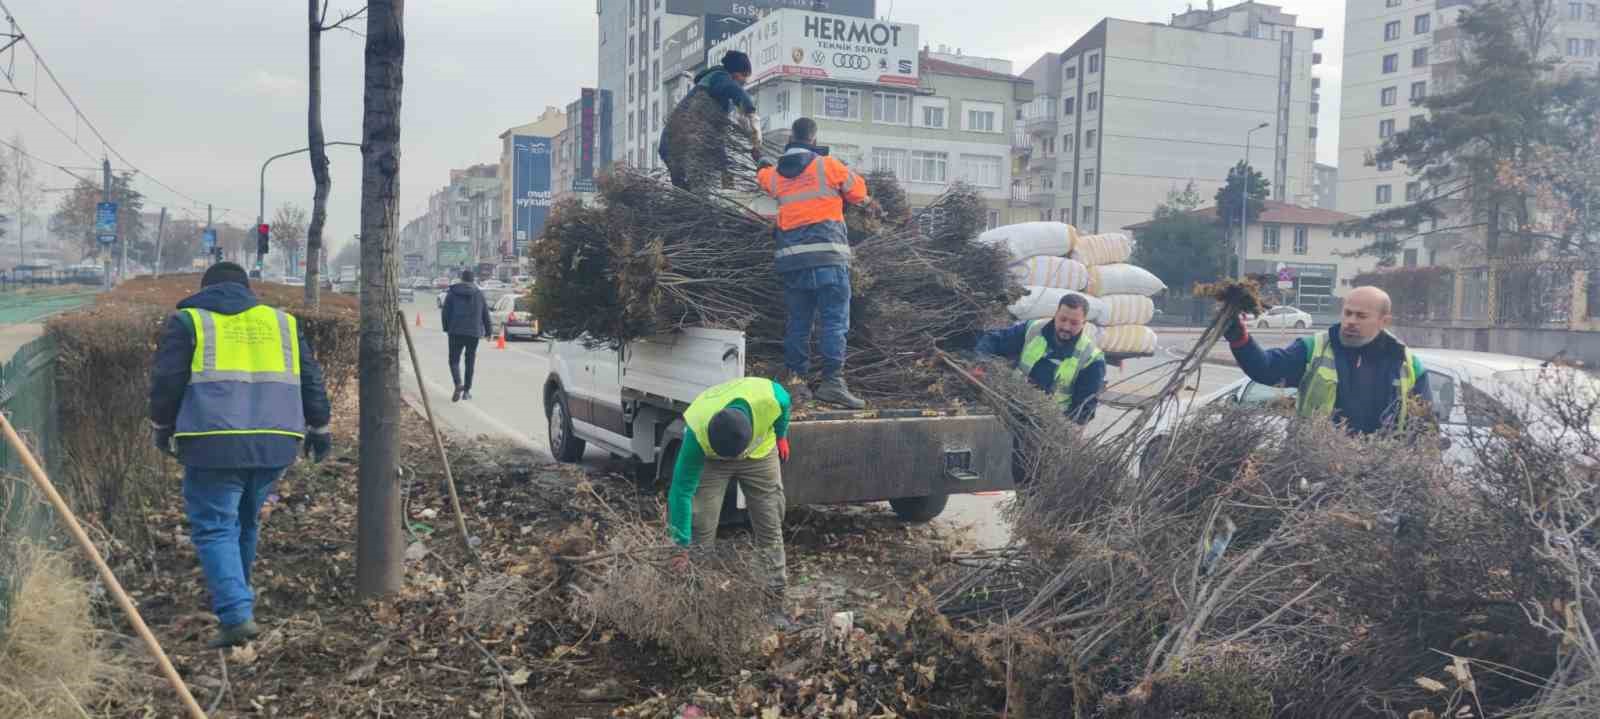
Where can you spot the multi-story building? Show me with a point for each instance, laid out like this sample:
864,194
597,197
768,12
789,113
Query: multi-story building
1133,110
1325,187
526,194
880,104
633,45
583,148
473,216
1396,52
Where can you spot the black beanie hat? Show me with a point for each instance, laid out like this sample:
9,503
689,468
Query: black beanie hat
224,272
730,432
735,62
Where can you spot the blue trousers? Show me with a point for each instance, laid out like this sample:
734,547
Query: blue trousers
223,505
822,294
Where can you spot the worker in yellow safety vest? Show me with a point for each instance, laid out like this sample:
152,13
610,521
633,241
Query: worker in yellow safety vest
234,395
1057,355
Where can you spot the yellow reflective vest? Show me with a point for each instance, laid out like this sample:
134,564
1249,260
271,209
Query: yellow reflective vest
1035,347
764,410
244,378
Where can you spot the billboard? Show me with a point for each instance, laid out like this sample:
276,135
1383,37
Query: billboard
531,194
821,46
754,8
451,255
685,49
588,115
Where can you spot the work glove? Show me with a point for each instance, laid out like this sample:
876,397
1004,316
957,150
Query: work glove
1235,331
318,444
680,562
161,437
783,449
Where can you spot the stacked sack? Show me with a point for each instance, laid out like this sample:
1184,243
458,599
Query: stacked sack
1051,259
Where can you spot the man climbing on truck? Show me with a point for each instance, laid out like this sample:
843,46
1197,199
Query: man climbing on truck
686,142
813,258
737,431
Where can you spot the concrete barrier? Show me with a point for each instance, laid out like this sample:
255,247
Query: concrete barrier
1569,345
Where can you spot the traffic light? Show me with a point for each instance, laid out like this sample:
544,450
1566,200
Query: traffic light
262,231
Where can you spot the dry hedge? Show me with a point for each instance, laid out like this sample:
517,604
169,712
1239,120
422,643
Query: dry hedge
103,379
52,659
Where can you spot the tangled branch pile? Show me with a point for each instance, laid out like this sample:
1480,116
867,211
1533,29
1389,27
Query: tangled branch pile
653,259
1259,565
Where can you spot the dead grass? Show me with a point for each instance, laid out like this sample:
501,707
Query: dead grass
52,662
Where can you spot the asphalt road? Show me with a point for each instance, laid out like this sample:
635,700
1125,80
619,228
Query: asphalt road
506,400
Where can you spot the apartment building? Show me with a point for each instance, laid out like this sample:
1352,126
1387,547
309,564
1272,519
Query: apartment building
882,104
1325,187
526,194
1133,110
1396,53
634,46
583,149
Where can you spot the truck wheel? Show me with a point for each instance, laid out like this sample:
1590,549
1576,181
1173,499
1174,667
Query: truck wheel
919,509
565,446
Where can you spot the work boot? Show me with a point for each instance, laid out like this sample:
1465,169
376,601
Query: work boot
236,635
797,388
457,396
466,394
833,391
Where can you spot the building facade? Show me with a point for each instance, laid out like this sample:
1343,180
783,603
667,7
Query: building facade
1396,53
1133,110
583,149
526,193
1325,187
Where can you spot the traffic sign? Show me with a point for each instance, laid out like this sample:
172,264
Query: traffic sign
105,222
208,239
1285,284
1285,274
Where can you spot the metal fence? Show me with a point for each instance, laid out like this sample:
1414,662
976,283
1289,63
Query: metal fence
28,398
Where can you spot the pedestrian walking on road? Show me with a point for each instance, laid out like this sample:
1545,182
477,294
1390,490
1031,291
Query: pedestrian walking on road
234,393
737,431
465,317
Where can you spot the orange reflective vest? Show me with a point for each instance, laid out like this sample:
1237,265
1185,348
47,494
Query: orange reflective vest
815,195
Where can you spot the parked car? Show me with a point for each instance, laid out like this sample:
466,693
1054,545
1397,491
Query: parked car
441,283
421,283
295,281
1282,316
1470,393
522,281
511,312
491,285
407,295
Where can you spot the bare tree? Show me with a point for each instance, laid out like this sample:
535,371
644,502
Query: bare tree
379,547
21,184
316,141
289,231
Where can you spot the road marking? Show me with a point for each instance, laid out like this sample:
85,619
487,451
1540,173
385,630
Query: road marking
436,390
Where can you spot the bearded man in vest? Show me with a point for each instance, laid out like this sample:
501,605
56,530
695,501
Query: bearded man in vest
737,431
1356,372
234,394
1056,355
813,258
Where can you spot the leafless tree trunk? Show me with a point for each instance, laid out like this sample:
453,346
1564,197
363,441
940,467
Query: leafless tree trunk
317,142
379,548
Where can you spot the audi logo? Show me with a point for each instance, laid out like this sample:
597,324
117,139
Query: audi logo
851,62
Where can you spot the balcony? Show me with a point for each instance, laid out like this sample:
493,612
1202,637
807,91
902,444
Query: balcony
1019,197
1019,140
1045,163
1044,124
1040,115
1045,199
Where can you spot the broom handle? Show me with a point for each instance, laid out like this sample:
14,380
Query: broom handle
449,477
68,518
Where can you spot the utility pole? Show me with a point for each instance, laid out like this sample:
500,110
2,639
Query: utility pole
105,196
161,228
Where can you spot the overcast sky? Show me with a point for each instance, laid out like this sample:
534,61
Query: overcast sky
197,93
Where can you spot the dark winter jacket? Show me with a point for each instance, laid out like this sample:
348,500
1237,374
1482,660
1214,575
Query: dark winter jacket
720,85
169,381
1086,386
1369,377
465,311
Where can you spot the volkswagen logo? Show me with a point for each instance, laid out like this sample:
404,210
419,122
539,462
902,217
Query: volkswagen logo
851,62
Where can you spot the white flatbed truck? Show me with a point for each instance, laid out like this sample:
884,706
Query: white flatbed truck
629,402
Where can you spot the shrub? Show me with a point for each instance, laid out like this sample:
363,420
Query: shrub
52,663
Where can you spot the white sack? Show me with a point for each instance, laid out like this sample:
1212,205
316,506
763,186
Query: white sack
1033,239
1040,302
1125,310
1123,279
1125,339
1058,272
1106,249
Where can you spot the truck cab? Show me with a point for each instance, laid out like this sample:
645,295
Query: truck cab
628,401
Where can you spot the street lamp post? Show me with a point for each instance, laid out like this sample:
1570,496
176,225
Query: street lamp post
1244,200
261,186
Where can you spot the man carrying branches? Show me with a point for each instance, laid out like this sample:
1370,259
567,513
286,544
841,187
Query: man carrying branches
1056,355
724,85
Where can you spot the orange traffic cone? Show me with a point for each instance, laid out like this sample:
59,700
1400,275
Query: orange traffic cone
500,341
419,319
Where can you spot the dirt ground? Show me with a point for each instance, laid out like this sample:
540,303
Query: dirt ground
464,639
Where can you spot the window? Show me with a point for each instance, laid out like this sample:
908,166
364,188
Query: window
1594,12
1092,102
1413,191
1419,57
1094,63
1385,129
655,116
1385,194
655,73
655,35
630,84
1269,239
1385,165
1066,141
839,103
1391,3
630,124
1089,219
846,153
781,103
1070,107
1417,120
1302,239
933,117
1391,63
891,108
980,170
1088,178
888,159
633,9
1391,30
1574,47
1388,96
991,219
1072,72
1088,140
1588,47
985,117
1574,11
1419,90
929,166
1421,24
630,48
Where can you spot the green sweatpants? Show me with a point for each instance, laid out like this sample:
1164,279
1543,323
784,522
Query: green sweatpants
761,480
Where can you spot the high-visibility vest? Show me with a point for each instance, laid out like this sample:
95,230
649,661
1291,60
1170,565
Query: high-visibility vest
1319,385
1035,347
764,410
244,378
809,198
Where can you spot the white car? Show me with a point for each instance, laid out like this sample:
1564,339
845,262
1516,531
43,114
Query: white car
517,323
1280,317
491,285
1469,392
